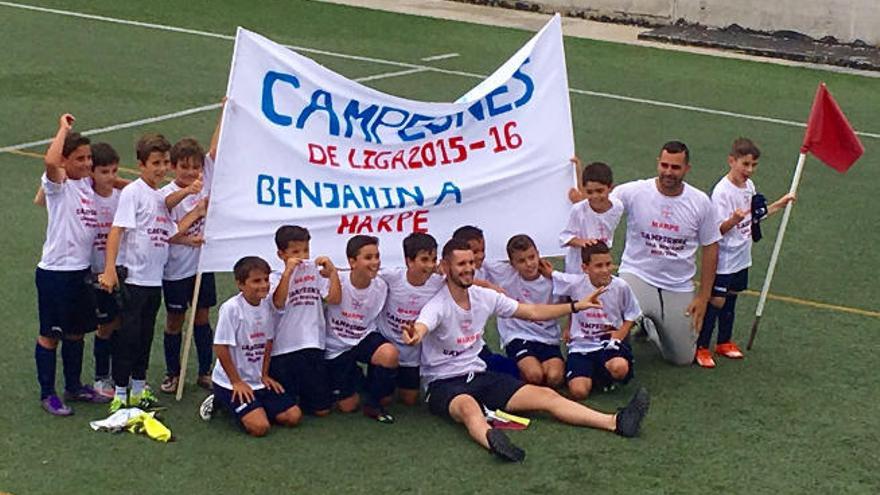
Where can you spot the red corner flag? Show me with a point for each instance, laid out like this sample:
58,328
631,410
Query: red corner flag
829,136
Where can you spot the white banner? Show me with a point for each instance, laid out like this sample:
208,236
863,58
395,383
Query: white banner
305,146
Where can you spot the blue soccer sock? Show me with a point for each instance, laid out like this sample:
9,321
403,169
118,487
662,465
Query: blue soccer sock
72,359
45,359
204,343
709,320
725,319
381,382
102,357
172,353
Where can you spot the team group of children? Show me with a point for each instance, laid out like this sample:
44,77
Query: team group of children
298,341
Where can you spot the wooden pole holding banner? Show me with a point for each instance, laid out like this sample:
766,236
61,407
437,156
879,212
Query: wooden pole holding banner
187,336
776,248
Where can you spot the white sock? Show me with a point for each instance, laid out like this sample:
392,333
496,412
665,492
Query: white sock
137,387
121,393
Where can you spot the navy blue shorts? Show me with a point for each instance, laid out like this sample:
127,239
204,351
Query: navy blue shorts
408,377
178,293
518,349
491,390
270,401
303,374
734,282
346,377
592,365
65,302
106,306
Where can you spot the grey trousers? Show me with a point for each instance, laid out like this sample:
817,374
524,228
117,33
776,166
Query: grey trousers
674,335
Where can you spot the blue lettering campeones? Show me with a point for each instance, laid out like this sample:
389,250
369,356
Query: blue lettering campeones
370,121
295,193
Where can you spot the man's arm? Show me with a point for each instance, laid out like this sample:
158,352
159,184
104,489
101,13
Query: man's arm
543,312
109,279
413,332
708,264
54,159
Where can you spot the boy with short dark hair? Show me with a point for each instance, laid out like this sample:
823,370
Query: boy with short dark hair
733,200
105,166
183,195
408,290
598,353
243,344
533,345
594,218
142,229
300,291
352,336
66,305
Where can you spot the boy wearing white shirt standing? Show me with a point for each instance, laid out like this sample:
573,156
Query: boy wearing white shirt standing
534,345
408,291
300,291
732,198
243,344
597,350
138,241
352,335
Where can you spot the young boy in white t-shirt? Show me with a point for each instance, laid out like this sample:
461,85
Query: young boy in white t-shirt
534,345
408,290
243,344
732,198
300,291
598,352
186,193
138,241
352,335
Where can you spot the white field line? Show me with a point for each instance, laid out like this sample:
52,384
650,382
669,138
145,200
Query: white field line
439,57
598,94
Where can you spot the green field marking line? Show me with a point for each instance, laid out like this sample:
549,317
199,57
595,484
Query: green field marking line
599,94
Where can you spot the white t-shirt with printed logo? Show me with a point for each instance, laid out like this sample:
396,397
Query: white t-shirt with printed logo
455,336
404,303
106,210
245,329
735,248
590,326
586,223
352,319
72,224
302,325
148,226
183,260
538,291
663,233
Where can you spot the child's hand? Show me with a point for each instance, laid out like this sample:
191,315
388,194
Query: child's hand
545,268
66,121
566,336
592,300
108,279
273,385
788,198
574,195
409,334
194,240
242,392
738,216
290,265
327,267
195,187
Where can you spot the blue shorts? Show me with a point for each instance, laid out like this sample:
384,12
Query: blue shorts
303,374
518,349
106,307
346,377
65,302
408,377
592,365
178,293
724,284
491,390
270,401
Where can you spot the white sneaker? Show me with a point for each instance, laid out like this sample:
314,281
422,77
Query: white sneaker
104,387
206,409
650,329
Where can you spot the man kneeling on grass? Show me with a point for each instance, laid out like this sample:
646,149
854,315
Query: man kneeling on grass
450,327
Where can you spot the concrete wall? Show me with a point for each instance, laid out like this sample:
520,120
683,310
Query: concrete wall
846,20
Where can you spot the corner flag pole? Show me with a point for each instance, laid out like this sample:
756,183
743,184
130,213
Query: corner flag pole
776,248
187,336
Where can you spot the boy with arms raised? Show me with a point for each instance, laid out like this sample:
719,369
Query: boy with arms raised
183,195
450,328
597,350
298,349
66,306
142,229
408,291
534,345
243,344
733,199
352,337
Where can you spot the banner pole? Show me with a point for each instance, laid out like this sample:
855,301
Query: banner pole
777,247
187,336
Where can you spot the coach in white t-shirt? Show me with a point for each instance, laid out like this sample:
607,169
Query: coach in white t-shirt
667,222
450,328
